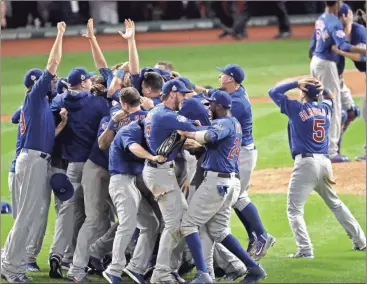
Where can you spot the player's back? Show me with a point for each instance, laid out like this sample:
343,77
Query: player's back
325,26
222,156
85,112
309,127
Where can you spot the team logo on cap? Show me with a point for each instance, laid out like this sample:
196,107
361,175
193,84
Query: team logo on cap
62,190
174,88
218,126
33,77
82,77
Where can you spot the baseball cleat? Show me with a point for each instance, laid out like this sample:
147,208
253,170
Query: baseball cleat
33,267
202,278
178,277
254,274
96,265
11,278
262,246
136,277
361,158
186,267
251,248
219,272
359,248
80,278
107,259
24,277
111,279
55,267
301,255
232,276
339,159
65,265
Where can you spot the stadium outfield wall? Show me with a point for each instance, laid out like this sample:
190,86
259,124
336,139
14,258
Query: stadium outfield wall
155,26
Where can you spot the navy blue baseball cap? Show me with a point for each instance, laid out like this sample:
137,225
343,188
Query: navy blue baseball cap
60,85
77,75
174,85
6,208
32,76
62,187
344,9
221,98
187,82
311,91
235,71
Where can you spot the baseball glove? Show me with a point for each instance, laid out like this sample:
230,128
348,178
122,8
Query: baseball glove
168,145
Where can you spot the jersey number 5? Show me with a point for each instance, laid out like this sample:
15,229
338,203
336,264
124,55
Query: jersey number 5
235,149
22,125
318,134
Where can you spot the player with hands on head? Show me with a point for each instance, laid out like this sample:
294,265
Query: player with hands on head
210,207
37,130
308,128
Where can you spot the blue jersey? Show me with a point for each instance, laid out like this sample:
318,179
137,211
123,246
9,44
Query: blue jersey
85,112
160,123
195,110
328,31
308,124
223,149
138,115
15,119
357,38
241,110
98,156
107,75
58,102
122,161
37,126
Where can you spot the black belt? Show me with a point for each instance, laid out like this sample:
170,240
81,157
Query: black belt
224,175
309,155
45,156
156,165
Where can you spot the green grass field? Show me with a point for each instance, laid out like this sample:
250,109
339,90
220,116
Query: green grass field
265,63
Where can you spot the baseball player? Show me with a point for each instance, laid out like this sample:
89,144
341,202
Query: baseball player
356,33
126,195
161,121
308,127
329,31
85,112
37,129
209,208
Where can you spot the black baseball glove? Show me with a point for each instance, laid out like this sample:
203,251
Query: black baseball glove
171,143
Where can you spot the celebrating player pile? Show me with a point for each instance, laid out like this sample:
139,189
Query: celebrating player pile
146,167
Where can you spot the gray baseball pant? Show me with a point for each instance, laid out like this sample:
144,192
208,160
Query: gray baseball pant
104,244
95,181
346,98
31,176
327,72
14,193
132,210
211,207
315,173
162,182
71,214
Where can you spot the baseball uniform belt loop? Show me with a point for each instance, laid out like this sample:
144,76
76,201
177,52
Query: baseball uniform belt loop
310,155
45,156
156,165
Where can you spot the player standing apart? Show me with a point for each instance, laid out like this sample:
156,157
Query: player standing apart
211,203
329,31
37,128
308,127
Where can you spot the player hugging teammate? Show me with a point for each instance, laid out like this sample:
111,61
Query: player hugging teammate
146,167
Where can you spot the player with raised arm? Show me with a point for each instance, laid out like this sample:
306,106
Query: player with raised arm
308,127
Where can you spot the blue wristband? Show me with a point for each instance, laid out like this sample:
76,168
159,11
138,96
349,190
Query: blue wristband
119,74
112,125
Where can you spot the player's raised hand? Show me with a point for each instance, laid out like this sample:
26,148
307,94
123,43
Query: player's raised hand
159,159
90,29
119,115
146,103
129,30
306,81
61,27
